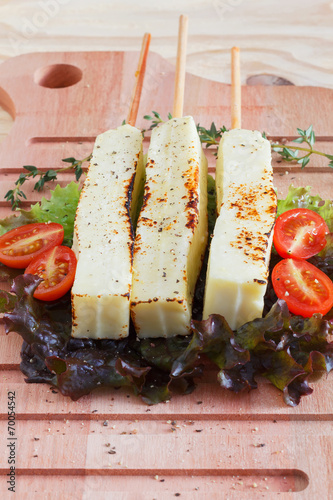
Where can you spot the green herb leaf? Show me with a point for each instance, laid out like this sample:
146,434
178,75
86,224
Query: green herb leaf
301,198
210,136
32,169
71,159
291,153
14,196
156,119
304,161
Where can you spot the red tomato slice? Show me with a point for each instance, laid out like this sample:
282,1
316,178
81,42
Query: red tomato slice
299,233
20,246
305,288
57,268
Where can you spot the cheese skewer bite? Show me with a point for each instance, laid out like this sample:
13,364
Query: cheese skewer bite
103,231
172,228
246,204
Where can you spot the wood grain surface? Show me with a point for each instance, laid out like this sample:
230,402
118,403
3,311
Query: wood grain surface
292,40
211,444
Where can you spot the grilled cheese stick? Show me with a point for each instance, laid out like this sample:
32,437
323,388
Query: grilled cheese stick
172,231
103,236
240,249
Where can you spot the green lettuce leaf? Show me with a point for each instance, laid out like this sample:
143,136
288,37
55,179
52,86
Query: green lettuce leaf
60,208
300,198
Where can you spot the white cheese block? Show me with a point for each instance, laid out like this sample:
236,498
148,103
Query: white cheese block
172,231
240,248
103,236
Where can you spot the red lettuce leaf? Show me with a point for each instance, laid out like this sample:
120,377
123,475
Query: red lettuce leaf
324,260
239,378
78,366
7,301
8,273
84,370
161,352
288,350
214,338
293,392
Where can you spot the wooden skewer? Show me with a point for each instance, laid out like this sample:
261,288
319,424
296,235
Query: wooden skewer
178,99
140,74
236,106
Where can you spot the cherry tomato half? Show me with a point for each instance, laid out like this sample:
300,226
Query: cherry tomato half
305,288
57,268
20,246
299,233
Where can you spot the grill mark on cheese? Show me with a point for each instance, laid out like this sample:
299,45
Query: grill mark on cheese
243,232
104,219
247,203
146,196
167,226
192,206
129,195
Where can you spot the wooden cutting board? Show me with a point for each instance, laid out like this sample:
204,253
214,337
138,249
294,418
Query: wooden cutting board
211,444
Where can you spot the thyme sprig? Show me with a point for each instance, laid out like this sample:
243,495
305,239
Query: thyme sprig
156,119
212,135
291,153
16,195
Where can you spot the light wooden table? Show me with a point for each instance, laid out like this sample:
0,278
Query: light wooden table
291,39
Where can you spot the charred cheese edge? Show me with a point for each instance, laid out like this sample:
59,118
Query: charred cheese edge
172,231
103,236
240,248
